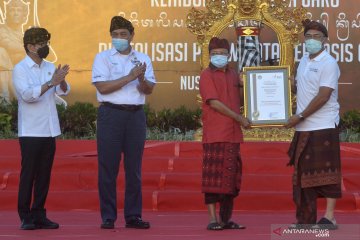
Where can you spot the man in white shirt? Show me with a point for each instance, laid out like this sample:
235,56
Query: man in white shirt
122,77
36,82
315,149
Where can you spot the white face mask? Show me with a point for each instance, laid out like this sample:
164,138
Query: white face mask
219,61
313,46
120,44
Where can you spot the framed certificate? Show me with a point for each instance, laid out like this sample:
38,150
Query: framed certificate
267,95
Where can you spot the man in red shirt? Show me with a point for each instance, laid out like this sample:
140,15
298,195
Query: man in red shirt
222,121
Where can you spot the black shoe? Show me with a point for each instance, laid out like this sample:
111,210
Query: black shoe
27,224
325,223
108,224
45,223
137,223
300,226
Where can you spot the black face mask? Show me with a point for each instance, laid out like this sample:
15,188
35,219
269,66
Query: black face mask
43,52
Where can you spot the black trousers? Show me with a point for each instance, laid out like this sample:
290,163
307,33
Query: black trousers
37,156
120,132
226,204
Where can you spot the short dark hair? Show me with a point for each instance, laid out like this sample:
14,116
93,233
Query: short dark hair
35,35
119,22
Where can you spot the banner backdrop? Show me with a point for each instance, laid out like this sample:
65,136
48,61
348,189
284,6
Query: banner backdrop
80,29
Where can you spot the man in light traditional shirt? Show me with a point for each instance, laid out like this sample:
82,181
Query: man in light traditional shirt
315,149
36,82
122,77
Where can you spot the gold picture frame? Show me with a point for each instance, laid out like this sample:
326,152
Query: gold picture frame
267,95
284,20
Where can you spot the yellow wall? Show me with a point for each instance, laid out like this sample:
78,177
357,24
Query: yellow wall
80,29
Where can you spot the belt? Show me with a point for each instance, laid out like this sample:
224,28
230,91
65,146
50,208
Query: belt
123,107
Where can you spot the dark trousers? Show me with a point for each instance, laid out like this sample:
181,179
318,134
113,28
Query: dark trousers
118,132
226,204
37,156
306,205
306,200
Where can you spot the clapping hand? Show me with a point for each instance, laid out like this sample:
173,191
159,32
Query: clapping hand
138,71
59,74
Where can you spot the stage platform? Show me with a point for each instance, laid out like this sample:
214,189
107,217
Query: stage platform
171,188
167,225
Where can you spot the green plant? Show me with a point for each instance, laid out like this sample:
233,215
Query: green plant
349,136
150,116
78,120
163,119
5,124
9,111
186,119
173,135
179,120
351,120
350,126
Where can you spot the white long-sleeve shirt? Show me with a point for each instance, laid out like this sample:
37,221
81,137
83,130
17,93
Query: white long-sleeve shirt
37,115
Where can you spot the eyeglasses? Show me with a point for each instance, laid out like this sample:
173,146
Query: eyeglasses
315,36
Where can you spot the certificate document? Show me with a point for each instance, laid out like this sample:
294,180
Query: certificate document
267,96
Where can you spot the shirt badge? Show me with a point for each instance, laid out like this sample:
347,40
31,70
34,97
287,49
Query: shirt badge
314,70
135,61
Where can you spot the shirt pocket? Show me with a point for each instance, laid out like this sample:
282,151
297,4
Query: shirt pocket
312,77
116,71
47,76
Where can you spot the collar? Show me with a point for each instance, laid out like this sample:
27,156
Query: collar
319,57
214,69
31,62
113,51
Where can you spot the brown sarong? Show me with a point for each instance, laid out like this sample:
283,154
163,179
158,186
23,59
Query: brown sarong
221,168
317,171
316,158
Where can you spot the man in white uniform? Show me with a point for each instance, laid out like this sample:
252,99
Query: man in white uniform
122,77
36,82
315,149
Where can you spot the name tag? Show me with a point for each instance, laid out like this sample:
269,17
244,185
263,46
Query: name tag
315,70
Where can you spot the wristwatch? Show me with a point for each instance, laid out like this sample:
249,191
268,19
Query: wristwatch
301,117
49,84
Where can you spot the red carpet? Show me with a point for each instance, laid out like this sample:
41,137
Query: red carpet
171,177
84,225
171,194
